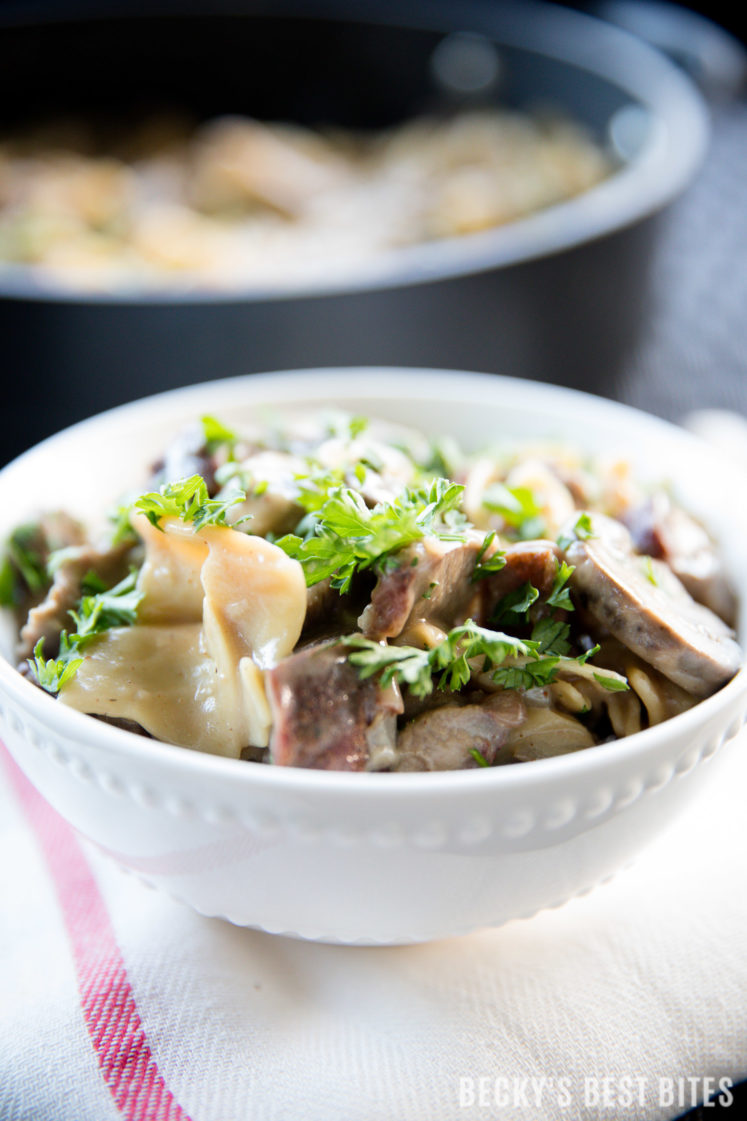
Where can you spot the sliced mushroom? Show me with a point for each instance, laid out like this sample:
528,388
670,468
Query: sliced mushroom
444,738
643,604
545,733
272,492
662,529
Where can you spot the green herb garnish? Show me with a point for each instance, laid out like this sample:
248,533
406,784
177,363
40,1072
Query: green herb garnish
580,531
101,609
53,673
560,595
217,435
189,500
648,571
613,684
448,662
22,560
98,610
518,507
494,563
343,535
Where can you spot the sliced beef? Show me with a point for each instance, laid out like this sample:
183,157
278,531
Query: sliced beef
32,544
661,529
444,738
50,617
431,581
647,608
325,717
527,562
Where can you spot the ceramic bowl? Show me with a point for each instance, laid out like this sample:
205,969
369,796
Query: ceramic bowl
368,858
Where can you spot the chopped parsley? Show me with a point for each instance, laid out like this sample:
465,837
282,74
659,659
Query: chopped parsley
551,634
519,602
101,609
515,603
614,684
560,595
98,610
187,499
647,566
344,535
448,662
22,561
53,673
518,508
485,565
218,435
581,530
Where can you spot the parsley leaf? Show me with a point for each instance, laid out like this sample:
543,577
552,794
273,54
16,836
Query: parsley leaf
101,610
581,530
343,535
560,595
647,567
53,673
98,610
527,675
517,602
448,661
22,560
494,563
216,435
187,499
518,508
551,636
617,684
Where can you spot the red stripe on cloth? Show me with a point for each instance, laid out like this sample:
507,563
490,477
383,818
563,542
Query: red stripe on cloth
107,1001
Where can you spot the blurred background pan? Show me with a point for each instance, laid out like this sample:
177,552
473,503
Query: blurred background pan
558,296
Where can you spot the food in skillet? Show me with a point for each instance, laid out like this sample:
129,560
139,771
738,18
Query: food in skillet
334,593
237,201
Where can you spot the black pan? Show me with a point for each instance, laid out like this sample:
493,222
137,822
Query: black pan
559,296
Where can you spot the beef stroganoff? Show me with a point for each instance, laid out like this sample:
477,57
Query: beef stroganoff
337,593
236,201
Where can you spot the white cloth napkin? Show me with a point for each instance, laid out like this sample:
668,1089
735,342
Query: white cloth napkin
118,1002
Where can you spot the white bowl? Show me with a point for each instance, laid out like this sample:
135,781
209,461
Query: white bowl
367,858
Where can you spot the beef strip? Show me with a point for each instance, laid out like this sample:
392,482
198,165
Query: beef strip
54,530
643,604
325,717
443,738
430,581
50,617
527,562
